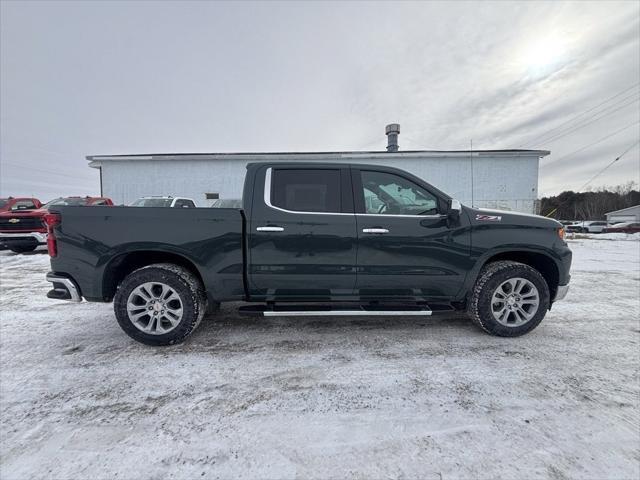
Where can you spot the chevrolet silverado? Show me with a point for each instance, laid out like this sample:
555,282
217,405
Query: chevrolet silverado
311,239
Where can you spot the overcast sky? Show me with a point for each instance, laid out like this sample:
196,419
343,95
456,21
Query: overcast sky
83,78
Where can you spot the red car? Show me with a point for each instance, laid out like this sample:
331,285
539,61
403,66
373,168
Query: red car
12,204
625,227
23,230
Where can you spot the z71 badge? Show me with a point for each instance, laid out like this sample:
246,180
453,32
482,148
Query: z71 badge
489,218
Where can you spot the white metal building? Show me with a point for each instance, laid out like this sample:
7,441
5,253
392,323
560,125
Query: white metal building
629,214
502,179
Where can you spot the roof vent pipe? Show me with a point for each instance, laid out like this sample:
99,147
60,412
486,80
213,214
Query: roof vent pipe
392,131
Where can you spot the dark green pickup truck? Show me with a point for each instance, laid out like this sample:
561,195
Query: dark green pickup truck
311,239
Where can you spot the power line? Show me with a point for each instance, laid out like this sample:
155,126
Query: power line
592,144
594,177
580,115
77,177
611,163
598,116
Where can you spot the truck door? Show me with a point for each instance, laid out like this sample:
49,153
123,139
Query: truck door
407,247
302,233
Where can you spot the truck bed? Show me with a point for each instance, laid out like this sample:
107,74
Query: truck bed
95,242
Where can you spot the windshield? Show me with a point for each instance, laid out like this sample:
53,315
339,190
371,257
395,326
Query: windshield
152,202
74,201
3,202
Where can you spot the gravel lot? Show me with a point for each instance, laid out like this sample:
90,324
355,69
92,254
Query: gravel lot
322,398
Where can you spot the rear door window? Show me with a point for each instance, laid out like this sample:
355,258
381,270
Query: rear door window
306,190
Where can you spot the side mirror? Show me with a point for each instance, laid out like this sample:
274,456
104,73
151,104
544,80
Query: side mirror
455,207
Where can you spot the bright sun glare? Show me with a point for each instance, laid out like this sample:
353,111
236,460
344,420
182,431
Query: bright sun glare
544,53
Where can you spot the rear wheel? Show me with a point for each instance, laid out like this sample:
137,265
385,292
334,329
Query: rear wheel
160,304
509,299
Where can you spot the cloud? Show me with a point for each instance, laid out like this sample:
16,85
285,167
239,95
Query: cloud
113,77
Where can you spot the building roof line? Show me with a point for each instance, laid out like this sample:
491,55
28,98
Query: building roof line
623,209
382,154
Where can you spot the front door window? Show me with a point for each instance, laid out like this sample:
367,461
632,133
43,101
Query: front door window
386,193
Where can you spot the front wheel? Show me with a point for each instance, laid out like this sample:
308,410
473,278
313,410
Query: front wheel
161,304
509,299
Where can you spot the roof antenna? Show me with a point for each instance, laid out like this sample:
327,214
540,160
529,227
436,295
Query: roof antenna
471,159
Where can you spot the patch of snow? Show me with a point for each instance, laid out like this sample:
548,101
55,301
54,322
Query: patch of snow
319,398
632,237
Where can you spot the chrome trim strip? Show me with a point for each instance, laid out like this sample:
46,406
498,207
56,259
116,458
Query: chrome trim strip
267,201
347,313
375,230
40,237
270,229
397,215
561,293
69,285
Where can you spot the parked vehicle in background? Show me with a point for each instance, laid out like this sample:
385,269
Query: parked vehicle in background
79,202
171,202
313,239
227,203
23,230
10,204
590,226
624,227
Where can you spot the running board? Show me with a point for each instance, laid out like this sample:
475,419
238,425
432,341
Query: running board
318,311
346,313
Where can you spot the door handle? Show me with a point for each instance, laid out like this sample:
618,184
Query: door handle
270,229
378,231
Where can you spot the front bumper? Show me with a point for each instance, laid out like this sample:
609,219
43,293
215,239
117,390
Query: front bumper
24,237
64,288
561,292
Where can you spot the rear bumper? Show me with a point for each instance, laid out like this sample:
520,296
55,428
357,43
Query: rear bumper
64,288
24,237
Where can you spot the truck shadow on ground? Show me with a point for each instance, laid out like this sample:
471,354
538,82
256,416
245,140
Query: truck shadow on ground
228,327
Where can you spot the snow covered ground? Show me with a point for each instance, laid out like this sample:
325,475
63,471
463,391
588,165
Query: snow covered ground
325,398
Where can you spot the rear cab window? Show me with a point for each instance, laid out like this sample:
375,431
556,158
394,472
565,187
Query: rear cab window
184,203
23,205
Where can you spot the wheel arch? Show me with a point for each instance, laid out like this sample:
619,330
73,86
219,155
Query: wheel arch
123,264
543,263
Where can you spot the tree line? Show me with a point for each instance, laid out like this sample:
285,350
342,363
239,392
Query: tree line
590,205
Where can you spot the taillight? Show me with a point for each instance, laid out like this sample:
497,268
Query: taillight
561,233
51,220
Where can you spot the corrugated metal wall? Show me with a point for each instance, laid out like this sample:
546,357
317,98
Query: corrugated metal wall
502,182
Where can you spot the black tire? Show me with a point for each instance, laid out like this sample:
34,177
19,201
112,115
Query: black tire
490,278
187,286
23,248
